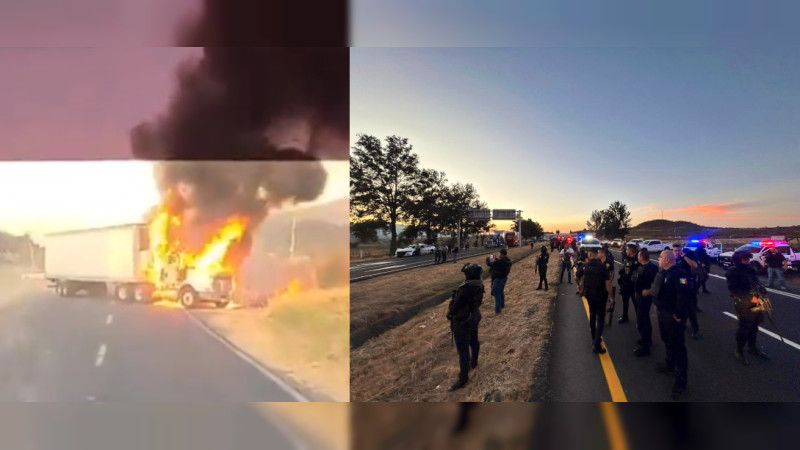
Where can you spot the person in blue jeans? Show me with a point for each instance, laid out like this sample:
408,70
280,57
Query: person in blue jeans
499,269
775,263
566,264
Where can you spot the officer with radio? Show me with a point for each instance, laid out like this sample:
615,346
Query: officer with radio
630,265
596,286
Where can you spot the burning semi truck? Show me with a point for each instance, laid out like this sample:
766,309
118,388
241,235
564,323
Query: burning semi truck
143,263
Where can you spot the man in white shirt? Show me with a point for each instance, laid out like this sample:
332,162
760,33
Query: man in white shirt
566,264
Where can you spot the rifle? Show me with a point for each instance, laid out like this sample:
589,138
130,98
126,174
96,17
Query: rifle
449,317
610,309
766,306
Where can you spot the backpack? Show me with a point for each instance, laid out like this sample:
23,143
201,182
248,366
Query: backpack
594,279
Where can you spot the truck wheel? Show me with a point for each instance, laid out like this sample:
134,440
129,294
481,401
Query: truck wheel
224,304
188,297
60,289
142,294
122,293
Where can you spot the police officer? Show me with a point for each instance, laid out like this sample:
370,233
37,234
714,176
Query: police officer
705,264
596,282
541,267
608,261
687,260
744,287
673,304
630,264
437,255
643,280
464,315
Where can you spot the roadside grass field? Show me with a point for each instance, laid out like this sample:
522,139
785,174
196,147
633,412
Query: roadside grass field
416,362
378,298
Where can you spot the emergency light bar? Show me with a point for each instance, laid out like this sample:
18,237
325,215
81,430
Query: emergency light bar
767,243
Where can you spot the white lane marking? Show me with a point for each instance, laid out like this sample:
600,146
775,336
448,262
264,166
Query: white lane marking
109,319
101,354
768,333
248,359
90,398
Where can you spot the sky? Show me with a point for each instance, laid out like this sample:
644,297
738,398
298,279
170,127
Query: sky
569,23
82,23
707,135
81,103
41,197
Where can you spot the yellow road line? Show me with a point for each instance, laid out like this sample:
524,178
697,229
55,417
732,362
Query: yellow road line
614,385
616,434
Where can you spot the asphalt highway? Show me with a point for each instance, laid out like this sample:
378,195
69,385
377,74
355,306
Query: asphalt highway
372,268
577,374
139,426
81,349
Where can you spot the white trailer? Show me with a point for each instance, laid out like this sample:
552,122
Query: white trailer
112,260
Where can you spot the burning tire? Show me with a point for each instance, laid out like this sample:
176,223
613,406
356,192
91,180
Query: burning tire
123,293
188,297
142,294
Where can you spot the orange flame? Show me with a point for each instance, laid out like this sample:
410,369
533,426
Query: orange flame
166,249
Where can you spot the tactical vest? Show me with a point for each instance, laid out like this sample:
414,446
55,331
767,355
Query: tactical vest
594,279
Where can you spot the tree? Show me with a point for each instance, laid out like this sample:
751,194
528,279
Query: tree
456,201
616,221
367,230
530,229
381,181
423,208
611,223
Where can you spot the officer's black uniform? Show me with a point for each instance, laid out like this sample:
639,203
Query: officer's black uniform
437,255
594,275
465,315
674,299
643,280
742,283
541,267
705,261
692,289
626,273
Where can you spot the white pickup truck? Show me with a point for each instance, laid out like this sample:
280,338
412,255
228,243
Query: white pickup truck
712,249
759,249
655,245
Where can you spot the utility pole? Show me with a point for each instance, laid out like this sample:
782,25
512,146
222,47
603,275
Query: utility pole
519,234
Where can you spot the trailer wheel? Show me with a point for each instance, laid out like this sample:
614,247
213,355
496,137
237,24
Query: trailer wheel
69,289
122,293
142,294
60,289
188,297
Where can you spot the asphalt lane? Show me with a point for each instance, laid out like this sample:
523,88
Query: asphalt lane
55,349
385,266
714,373
139,426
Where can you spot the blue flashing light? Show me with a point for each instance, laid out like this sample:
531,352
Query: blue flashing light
695,241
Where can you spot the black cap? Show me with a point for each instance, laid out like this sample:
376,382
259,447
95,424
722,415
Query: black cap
741,255
472,271
503,251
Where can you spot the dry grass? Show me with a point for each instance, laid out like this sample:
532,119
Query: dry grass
431,425
327,425
416,362
381,297
304,336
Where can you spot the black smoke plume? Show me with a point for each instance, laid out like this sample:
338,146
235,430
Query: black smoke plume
268,23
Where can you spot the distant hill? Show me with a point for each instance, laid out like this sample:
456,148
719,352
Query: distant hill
666,229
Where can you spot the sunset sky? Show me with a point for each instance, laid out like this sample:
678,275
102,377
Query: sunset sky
42,197
705,135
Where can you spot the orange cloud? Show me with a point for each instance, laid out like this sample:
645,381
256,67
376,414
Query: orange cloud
730,211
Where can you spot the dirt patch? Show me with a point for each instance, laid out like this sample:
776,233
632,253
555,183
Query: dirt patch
416,361
433,426
378,298
303,336
326,425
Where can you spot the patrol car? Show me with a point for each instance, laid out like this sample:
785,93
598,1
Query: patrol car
616,243
588,243
415,250
759,249
713,250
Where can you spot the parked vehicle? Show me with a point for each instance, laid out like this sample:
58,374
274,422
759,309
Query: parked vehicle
759,248
415,250
655,245
637,242
616,243
712,249
114,260
588,243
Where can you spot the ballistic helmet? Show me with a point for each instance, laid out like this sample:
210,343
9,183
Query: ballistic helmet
472,271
